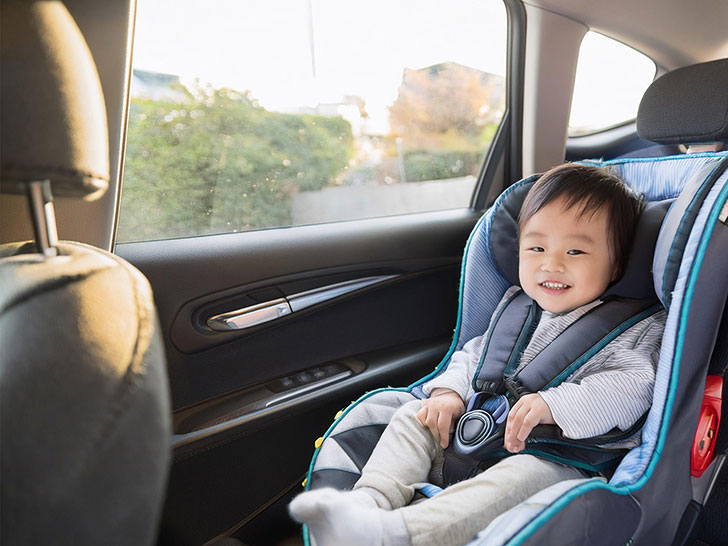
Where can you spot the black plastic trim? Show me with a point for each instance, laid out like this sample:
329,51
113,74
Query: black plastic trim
369,369
508,140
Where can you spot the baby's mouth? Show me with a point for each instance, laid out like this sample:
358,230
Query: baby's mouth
554,285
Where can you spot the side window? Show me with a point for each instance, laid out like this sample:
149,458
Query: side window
610,81
272,113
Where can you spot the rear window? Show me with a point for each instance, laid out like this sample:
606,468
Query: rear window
610,81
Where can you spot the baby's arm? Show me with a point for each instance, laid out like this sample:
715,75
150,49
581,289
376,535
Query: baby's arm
463,363
615,391
459,371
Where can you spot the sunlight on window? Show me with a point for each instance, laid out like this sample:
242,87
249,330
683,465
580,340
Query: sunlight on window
610,81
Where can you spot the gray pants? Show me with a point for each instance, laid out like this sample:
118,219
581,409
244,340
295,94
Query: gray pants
403,457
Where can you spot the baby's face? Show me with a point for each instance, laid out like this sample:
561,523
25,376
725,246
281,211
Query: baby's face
564,260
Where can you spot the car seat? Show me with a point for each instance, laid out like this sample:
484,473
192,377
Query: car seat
85,412
650,491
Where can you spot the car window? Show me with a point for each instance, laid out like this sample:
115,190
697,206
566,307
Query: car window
610,81
250,115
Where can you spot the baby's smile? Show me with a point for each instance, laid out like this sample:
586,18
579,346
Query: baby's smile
554,286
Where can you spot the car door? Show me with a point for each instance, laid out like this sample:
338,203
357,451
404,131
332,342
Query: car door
272,327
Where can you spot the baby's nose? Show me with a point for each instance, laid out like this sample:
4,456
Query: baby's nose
552,263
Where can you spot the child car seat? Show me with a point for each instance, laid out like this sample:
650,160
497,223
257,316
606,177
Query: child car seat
650,491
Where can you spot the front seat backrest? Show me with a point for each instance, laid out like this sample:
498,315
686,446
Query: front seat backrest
84,407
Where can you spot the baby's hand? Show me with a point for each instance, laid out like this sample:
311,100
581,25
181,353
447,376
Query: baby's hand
529,411
439,413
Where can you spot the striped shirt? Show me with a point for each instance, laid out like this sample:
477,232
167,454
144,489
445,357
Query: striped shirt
612,389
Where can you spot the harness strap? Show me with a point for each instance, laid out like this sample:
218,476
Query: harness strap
514,326
501,351
583,339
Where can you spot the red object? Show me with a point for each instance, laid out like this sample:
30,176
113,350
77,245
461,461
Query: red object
708,423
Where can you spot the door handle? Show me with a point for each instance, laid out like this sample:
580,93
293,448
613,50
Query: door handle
249,316
254,315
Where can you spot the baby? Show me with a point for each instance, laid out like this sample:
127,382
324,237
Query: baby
575,230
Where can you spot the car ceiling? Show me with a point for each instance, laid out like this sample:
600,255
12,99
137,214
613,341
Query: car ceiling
673,33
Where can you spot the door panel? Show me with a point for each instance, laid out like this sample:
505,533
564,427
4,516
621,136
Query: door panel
248,403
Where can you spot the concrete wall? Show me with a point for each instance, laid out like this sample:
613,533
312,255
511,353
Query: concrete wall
367,201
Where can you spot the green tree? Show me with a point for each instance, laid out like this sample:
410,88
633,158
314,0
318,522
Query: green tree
219,162
446,115
447,107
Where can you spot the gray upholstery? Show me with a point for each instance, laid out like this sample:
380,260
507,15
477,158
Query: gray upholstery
85,419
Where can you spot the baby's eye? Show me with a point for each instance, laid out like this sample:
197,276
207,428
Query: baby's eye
535,248
575,252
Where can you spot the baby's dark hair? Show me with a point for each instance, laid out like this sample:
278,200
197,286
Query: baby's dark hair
591,189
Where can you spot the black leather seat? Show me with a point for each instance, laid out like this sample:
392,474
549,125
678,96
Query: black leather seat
85,413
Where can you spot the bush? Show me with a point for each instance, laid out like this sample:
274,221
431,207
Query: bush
424,165
219,162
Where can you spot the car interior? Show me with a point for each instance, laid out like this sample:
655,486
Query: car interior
172,390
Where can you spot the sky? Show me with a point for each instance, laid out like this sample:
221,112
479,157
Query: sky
294,53
265,46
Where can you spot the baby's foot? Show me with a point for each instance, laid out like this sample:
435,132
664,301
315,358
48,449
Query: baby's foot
336,518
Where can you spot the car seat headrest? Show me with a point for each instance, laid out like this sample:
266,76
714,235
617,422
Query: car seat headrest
636,282
53,111
674,110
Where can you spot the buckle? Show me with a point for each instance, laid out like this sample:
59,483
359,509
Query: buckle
702,453
483,420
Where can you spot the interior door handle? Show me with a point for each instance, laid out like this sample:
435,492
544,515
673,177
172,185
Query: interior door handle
250,316
270,310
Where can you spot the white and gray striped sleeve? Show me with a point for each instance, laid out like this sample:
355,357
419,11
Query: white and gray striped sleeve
614,388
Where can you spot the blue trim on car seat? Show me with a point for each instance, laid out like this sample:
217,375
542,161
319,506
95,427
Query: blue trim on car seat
530,528
456,333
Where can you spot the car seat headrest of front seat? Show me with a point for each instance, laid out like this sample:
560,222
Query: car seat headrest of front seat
52,109
674,110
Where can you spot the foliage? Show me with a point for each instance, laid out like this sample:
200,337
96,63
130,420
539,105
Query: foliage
219,162
424,165
446,115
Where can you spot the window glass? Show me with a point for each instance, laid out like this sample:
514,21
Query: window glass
610,81
270,113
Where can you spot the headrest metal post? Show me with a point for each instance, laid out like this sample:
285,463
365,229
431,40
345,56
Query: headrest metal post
40,201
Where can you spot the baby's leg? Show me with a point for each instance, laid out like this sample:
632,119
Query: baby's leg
401,458
457,514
